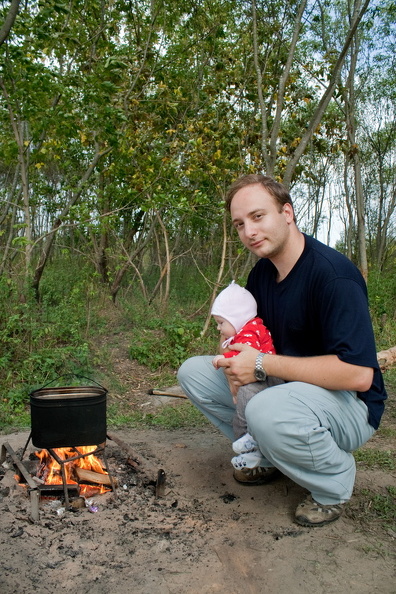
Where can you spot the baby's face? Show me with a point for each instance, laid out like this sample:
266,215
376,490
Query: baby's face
224,327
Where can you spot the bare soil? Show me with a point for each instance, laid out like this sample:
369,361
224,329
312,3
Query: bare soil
206,534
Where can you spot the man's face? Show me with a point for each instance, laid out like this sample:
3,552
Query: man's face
261,226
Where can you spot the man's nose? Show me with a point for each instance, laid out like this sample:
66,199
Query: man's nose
250,229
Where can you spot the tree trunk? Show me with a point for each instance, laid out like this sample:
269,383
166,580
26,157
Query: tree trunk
129,262
219,275
350,224
51,235
269,139
166,268
19,129
361,227
351,124
325,100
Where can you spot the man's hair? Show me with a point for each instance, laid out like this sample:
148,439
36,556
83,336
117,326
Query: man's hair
277,190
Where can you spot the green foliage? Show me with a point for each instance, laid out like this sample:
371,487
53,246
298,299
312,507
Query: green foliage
390,381
382,297
39,342
382,292
13,412
189,289
166,342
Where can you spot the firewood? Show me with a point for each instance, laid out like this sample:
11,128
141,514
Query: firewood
387,359
136,460
142,466
93,477
161,483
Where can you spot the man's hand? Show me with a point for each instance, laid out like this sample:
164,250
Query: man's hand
240,369
326,371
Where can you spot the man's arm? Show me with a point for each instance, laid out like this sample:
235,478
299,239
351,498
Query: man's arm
326,371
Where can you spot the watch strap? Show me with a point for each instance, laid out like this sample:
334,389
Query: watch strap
259,361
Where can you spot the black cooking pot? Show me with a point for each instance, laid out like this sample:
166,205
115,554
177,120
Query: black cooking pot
68,416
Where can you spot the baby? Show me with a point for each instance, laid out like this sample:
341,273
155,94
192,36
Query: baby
235,311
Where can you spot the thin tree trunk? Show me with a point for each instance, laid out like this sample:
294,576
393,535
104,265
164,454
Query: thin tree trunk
350,110
361,228
19,129
166,268
268,141
51,235
350,225
9,238
116,285
325,100
219,275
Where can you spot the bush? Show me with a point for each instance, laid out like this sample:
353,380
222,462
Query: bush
168,343
40,341
382,297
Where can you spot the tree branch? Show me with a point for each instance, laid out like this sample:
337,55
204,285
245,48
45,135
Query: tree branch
10,19
325,100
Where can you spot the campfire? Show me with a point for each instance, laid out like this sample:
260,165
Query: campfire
81,469
75,475
64,421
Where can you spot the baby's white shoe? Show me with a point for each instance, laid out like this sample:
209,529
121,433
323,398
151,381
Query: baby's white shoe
245,444
248,460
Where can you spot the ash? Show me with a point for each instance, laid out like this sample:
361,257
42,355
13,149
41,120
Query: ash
208,534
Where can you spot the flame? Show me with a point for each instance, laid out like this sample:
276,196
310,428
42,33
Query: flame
51,473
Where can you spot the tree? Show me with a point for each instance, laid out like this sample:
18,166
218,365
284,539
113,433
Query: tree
136,116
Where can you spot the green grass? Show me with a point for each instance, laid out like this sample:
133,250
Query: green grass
371,458
13,419
373,509
390,383
387,432
168,417
378,506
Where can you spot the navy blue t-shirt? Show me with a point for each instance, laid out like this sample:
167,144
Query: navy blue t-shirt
320,308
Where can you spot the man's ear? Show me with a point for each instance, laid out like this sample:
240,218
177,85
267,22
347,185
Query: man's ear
289,212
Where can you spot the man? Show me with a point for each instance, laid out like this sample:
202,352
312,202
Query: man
314,302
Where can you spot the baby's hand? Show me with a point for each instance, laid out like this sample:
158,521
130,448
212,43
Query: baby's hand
215,361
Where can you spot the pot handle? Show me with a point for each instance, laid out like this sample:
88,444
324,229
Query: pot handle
65,375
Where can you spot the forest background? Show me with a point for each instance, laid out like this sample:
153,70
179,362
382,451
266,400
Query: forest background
123,123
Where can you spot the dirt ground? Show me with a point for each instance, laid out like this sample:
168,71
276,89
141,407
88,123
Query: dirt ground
207,534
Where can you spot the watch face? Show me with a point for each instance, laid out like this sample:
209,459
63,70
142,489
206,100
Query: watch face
260,375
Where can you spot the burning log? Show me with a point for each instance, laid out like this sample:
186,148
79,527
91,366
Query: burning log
387,359
93,477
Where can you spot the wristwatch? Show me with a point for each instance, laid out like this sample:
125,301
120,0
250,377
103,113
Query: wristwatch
259,372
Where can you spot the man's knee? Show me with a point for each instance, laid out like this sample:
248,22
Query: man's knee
270,422
259,412
189,368
183,370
